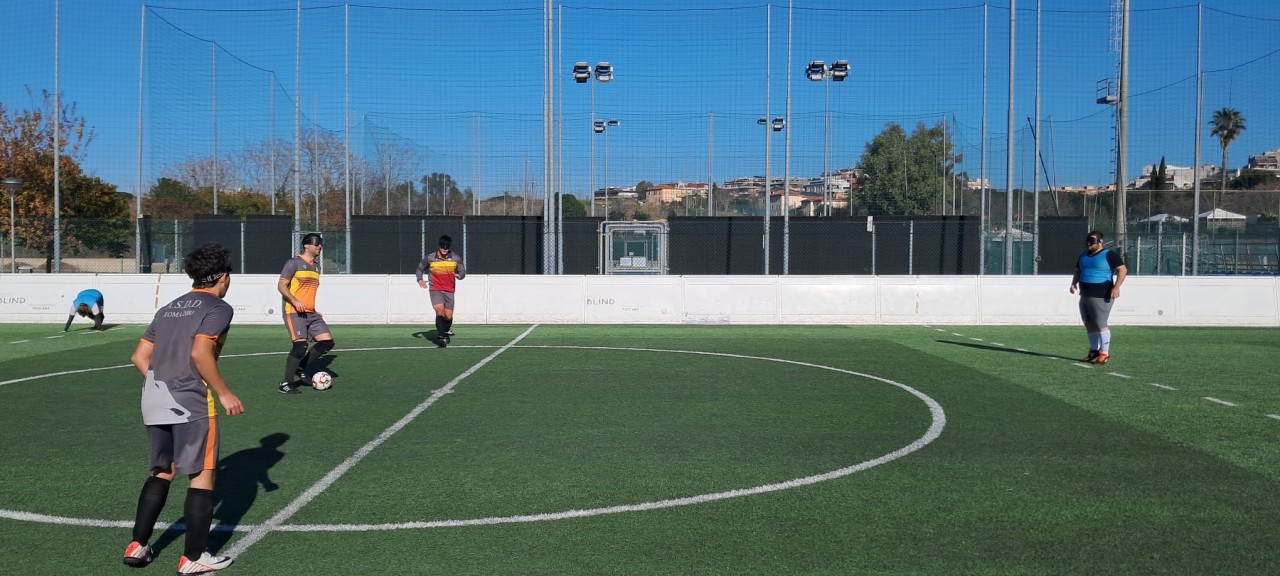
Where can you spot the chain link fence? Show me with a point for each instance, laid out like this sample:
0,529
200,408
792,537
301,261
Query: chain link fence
933,245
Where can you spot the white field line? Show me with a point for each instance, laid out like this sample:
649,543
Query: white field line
997,344
939,330
1222,402
52,337
1022,349
1119,375
274,522
1163,386
1079,365
956,334
20,342
1274,416
939,421
975,339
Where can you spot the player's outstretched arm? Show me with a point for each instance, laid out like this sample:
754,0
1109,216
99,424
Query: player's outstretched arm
204,356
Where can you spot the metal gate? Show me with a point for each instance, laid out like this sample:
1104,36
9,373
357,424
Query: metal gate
633,247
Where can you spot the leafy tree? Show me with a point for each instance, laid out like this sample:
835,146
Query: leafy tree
1160,177
94,214
1256,179
1227,124
573,208
642,189
443,195
904,174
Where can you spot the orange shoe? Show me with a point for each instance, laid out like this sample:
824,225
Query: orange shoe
1102,358
137,555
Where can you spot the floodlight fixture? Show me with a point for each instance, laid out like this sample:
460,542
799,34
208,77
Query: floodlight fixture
840,70
581,72
779,123
816,71
612,123
604,72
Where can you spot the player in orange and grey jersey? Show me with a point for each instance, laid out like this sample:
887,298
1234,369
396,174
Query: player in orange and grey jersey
178,357
443,269
299,282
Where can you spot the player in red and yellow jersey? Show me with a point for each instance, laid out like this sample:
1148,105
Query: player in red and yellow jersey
443,269
299,282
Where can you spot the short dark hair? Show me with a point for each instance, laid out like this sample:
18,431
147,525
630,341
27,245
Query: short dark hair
207,264
313,239
1096,234
445,241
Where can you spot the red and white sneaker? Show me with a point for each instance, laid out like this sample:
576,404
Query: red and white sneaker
206,564
137,555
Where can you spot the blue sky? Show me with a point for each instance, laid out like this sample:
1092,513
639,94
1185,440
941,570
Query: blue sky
461,84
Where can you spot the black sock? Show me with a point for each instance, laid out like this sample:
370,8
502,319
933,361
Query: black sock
439,325
294,361
448,324
197,516
150,503
318,350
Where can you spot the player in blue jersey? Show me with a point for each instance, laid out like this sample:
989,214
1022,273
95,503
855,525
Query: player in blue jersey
178,358
88,303
1099,273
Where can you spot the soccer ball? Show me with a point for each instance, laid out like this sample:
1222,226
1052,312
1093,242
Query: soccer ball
321,381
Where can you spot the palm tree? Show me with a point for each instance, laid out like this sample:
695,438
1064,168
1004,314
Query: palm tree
1227,124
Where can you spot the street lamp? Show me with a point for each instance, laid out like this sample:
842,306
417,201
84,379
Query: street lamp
582,73
602,127
12,185
818,71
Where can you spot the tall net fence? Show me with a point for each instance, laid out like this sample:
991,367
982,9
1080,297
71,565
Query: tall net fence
323,113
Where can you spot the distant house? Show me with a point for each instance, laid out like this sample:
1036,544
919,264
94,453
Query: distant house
674,192
1267,162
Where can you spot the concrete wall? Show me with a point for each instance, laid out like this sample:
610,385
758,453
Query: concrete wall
508,299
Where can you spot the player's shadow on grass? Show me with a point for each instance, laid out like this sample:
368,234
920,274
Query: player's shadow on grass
239,476
322,365
990,348
429,335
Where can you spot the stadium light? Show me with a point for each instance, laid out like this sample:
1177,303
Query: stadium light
583,73
818,71
12,184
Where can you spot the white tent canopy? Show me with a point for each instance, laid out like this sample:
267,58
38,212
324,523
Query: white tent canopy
1170,218
1220,214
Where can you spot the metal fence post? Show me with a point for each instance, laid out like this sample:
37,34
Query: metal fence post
1184,254
177,243
873,251
911,247
1138,259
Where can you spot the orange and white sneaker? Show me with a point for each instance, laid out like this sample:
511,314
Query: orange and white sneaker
1102,358
137,555
206,564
